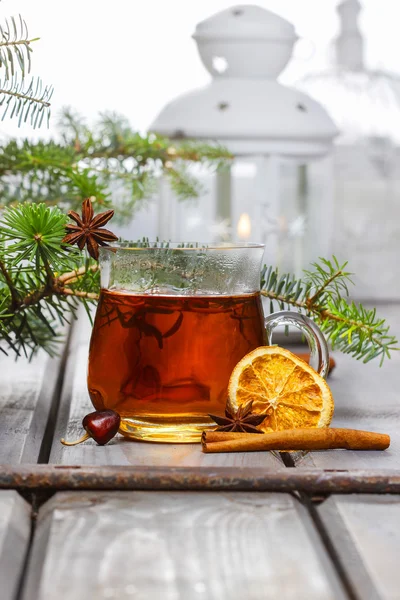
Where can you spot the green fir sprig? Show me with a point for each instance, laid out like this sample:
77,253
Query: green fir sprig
19,99
15,47
43,281
38,275
108,160
323,295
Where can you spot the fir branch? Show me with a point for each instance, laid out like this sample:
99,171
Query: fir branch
19,100
90,163
15,47
328,277
321,294
182,182
33,300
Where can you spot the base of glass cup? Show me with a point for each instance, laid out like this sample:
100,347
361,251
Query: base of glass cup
177,431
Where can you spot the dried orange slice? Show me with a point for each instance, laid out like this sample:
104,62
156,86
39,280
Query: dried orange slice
283,385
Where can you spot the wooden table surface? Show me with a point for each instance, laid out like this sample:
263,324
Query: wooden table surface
158,521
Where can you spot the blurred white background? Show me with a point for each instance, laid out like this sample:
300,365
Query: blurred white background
132,56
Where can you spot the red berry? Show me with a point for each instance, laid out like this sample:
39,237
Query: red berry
101,425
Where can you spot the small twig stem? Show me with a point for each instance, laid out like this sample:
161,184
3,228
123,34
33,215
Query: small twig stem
34,297
54,285
73,276
326,314
18,42
85,437
80,294
49,273
10,284
25,97
285,299
311,301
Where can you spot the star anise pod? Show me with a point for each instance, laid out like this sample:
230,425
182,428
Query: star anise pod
89,229
243,420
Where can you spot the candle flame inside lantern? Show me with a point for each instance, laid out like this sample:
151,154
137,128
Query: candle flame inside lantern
244,227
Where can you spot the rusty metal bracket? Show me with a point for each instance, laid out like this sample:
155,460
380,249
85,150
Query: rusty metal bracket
311,481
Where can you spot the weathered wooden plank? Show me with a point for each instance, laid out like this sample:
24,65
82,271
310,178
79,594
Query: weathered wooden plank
75,403
366,397
177,545
365,531
15,529
27,393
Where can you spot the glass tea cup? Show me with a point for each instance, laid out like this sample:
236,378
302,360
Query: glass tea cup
171,324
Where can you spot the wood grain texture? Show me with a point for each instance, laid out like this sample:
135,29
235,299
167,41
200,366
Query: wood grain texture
177,546
366,397
15,529
75,403
365,531
27,392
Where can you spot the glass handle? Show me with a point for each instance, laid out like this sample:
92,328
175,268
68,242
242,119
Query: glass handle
319,353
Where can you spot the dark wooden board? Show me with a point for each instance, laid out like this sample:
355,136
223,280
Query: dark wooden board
178,546
365,531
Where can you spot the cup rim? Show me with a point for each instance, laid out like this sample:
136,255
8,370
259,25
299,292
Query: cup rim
184,246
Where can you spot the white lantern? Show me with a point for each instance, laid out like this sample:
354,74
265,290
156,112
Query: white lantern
271,130
365,103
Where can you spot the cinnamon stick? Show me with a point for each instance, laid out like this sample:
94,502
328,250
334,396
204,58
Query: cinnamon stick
295,439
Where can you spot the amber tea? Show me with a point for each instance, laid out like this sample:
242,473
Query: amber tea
163,362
